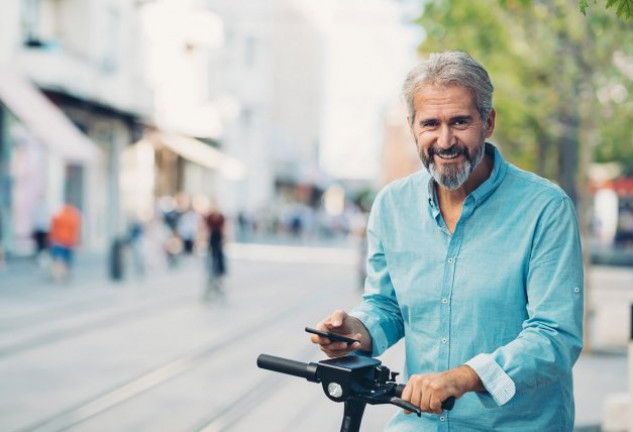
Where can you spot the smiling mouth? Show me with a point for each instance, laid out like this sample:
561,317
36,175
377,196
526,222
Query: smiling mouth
448,157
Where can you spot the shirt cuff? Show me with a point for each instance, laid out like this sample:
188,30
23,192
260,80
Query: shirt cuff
379,342
498,384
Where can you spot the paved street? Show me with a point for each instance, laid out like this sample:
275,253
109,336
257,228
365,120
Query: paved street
150,355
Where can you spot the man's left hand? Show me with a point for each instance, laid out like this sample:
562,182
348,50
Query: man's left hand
428,391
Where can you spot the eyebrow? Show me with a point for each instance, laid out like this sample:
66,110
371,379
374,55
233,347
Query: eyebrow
466,117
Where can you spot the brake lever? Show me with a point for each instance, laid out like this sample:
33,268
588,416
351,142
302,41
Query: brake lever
446,405
405,405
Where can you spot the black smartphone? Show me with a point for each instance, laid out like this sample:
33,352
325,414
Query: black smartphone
332,336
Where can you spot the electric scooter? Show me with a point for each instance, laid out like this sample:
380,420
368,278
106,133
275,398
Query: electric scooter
354,380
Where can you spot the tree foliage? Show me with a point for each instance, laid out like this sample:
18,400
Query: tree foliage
623,8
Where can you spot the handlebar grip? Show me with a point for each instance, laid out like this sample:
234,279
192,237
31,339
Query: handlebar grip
287,366
447,404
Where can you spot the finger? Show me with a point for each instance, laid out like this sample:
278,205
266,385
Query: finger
338,318
339,347
334,352
354,346
435,405
428,408
406,395
320,340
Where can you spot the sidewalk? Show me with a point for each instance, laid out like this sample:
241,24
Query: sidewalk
24,272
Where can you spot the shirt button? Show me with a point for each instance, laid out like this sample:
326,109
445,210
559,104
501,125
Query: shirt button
444,340
444,300
576,289
442,418
450,260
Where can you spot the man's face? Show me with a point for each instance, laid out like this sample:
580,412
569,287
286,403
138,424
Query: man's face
449,133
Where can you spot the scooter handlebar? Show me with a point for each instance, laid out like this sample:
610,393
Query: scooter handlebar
289,367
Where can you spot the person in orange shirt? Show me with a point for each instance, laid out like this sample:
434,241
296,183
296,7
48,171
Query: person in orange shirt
63,237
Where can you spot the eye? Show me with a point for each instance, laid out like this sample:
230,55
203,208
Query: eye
428,124
461,123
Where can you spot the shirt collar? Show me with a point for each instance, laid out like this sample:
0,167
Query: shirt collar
491,184
479,195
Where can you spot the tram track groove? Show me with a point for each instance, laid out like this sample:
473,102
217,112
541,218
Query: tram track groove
224,418
92,407
69,329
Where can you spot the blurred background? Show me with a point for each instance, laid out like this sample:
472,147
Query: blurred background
284,117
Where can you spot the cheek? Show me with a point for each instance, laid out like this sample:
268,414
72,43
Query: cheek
422,144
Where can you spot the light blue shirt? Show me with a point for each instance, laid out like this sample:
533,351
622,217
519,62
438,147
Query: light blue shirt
503,294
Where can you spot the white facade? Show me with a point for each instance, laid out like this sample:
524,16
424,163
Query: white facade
369,51
182,39
87,55
271,69
241,74
89,48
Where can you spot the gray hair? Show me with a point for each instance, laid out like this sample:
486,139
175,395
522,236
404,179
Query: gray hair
450,68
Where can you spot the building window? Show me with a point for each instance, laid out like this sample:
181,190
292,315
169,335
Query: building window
112,31
40,23
30,22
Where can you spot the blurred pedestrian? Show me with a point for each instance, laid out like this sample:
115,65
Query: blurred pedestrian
41,225
135,240
172,244
215,222
188,226
64,237
3,262
243,225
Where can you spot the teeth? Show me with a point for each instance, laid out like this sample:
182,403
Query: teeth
452,156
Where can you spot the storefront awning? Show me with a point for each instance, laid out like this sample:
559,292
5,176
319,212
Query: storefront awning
202,154
44,120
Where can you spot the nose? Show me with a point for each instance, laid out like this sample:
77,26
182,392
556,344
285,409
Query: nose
445,137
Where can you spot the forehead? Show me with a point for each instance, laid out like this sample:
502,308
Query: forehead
438,100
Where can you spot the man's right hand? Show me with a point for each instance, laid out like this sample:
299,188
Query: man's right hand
342,323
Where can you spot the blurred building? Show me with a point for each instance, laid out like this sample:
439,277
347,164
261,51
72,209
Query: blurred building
254,103
73,98
269,69
400,156
312,82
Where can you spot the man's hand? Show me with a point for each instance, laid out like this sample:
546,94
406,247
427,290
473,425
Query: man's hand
340,322
428,391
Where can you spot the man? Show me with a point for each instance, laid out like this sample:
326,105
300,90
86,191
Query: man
215,222
477,264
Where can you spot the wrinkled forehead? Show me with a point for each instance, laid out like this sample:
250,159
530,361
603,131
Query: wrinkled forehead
434,98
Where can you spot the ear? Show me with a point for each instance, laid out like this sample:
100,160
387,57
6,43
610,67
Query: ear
490,123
